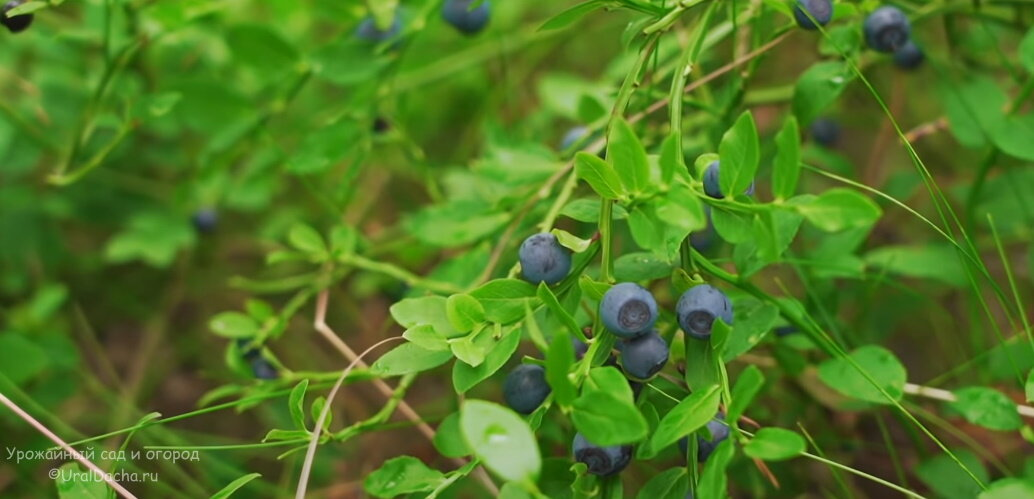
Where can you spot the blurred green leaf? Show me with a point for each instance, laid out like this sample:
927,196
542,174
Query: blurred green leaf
262,48
747,386
501,439
881,365
988,408
20,358
306,239
402,475
943,476
74,483
932,261
296,404
588,210
151,237
448,439
234,325
232,487
669,484
819,87
626,153
1026,51
787,163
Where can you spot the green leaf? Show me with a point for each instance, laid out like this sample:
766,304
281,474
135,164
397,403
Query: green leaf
402,475
775,444
426,337
943,476
671,159
570,15
599,174
296,404
786,168
465,377
235,485
448,439
550,300
325,147
838,209
713,481
748,384
472,349
1026,51
559,359
932,261
878,362
151,237
640,266
605,413
1009,488
570,241
670,484
819,87
457,223
74,483
504,299
409,358
464,312
753,320
259,46
501,439
646,229
588,210
733,227
739,153
626,153
306,239
988,408
426,310
691,414
27,8
233,325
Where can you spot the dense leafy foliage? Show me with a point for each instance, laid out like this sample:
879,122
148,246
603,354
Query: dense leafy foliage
596,248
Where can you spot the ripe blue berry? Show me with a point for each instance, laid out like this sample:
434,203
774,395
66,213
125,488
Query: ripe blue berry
782,331
712,187
909,56
825,131
699,306
719,432
886,29
381,125
205,220
821,10
525,388
628,310
260,366
467,21
14,24
644,355
543,259
601,461
369,32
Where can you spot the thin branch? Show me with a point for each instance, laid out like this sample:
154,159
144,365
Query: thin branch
67,448
310,453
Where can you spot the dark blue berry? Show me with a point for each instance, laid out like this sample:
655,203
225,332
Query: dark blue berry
543,259
381,125
14,24
467,21
601,461
782,331
886,29
628,310
369,32
712,187
205,220
263,369
699,306
719,432
525,388
825,131
909,56
645,355
821,10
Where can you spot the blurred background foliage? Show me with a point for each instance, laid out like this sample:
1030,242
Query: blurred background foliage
121,120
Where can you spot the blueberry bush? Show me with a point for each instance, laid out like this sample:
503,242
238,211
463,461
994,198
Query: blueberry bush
499,248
